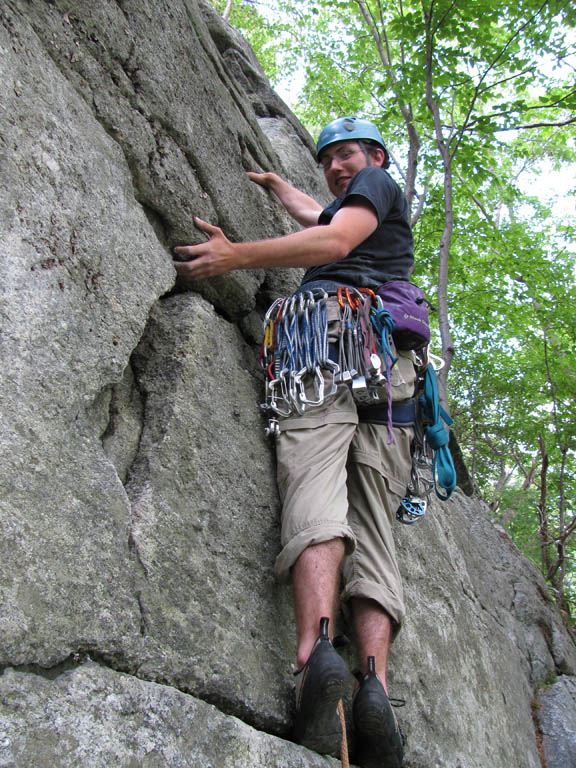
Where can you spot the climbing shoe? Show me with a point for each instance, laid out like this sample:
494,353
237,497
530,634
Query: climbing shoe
320,685
379,740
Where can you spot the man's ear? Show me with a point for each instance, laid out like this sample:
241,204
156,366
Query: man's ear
377,156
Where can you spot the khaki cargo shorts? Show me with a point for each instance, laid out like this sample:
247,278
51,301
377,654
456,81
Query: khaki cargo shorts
338,478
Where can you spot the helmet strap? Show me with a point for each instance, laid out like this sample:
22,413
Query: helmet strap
364,148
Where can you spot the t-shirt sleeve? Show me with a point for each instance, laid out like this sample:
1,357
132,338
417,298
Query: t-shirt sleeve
374,185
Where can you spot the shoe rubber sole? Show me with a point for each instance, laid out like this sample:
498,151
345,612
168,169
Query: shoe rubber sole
377,732
317,725
321,730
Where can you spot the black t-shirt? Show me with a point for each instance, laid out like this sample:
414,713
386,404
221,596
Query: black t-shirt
388,253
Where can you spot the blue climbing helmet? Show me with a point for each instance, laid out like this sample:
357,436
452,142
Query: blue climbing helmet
350,129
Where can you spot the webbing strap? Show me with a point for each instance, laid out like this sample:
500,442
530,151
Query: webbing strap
403,413
437,436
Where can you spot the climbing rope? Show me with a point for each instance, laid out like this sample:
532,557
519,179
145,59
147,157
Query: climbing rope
443,471
384,325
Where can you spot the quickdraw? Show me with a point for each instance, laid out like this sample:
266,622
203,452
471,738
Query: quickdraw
303,369
295,344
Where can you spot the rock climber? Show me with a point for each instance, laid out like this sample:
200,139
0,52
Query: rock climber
341,478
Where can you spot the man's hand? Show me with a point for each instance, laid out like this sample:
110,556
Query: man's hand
266,180
210,259
303,208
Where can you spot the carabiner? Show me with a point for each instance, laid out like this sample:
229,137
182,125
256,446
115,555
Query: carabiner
353,301
318,389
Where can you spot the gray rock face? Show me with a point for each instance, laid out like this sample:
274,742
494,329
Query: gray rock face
131,723
140,623
556,714
73,237
474,645
206,517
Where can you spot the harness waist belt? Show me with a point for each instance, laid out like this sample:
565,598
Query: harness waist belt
334,352
403,413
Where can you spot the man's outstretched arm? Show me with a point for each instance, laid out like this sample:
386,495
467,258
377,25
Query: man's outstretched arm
309,247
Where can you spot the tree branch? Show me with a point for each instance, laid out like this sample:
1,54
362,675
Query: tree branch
528,126
488,69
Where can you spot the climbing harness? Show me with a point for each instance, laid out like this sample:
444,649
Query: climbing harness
303,368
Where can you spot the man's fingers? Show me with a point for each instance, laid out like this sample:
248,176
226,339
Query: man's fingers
193,251
258,178
191,270
210,229
207,259
187,251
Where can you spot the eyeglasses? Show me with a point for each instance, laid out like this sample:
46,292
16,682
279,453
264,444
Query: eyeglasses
341,156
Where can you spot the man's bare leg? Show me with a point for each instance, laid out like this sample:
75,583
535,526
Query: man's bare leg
373,628
316,581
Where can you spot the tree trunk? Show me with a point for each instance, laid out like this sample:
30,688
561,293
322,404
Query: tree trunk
543,534
445,242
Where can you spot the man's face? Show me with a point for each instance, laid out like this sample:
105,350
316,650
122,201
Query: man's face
340,161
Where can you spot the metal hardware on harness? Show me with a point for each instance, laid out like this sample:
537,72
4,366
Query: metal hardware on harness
273,428
411,510
295,346
414,505
303,369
